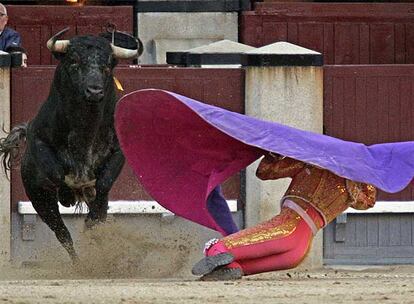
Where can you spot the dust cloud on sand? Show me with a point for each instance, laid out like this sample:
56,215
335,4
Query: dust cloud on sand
112,250
115,251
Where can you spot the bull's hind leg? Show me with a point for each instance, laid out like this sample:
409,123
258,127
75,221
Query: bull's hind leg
48,210
42,192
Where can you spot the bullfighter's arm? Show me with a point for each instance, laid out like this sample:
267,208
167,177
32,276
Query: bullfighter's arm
276,166
363,196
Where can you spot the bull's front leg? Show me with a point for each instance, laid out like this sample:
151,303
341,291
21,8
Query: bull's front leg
105,178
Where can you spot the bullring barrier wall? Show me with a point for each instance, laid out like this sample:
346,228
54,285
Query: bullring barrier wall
5,240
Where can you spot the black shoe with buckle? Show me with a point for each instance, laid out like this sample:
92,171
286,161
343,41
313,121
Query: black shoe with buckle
210,263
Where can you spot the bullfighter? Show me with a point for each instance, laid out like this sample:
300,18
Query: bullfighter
181,150
314,198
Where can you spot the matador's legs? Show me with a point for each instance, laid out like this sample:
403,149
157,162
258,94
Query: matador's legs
277,244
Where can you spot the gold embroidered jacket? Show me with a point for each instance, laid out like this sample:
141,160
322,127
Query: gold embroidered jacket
326,192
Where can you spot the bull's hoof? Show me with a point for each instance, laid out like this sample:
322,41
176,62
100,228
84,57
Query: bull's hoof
223,274
90,223
210,263
75,261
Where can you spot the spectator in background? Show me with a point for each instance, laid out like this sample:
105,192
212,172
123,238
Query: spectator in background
8,37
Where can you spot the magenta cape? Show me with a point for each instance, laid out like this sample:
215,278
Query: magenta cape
181,149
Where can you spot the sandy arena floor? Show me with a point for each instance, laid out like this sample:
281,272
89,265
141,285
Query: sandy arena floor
113,270
373,285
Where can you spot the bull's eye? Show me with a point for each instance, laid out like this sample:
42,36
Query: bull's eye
107,70
75,62
76,59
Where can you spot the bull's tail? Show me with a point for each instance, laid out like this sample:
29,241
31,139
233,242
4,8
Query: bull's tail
10,145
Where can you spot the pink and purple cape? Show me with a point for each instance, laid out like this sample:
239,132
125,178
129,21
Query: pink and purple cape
182,149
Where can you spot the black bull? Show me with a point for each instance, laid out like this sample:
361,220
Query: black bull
72,153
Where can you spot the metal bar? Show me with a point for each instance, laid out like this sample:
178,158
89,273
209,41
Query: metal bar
115,207
387,207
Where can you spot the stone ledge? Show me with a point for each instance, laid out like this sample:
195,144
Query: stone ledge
5,59
187,59
282,60
282,54
234,53
224,52
16,59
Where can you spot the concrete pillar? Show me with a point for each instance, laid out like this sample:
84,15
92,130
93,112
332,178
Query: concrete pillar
5,231
181,25
284,83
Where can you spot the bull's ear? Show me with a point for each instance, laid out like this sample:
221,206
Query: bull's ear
58,56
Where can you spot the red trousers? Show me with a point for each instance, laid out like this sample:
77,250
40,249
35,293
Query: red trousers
277,244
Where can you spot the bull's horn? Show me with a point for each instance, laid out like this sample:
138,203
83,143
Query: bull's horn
140,47
59,46
123,53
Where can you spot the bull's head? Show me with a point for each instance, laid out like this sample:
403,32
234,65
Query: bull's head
89,62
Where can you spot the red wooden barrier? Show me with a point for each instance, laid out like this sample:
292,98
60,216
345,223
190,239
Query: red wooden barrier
37,23
370,104
346,33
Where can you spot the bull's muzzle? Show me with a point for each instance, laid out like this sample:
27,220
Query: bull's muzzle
94,93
